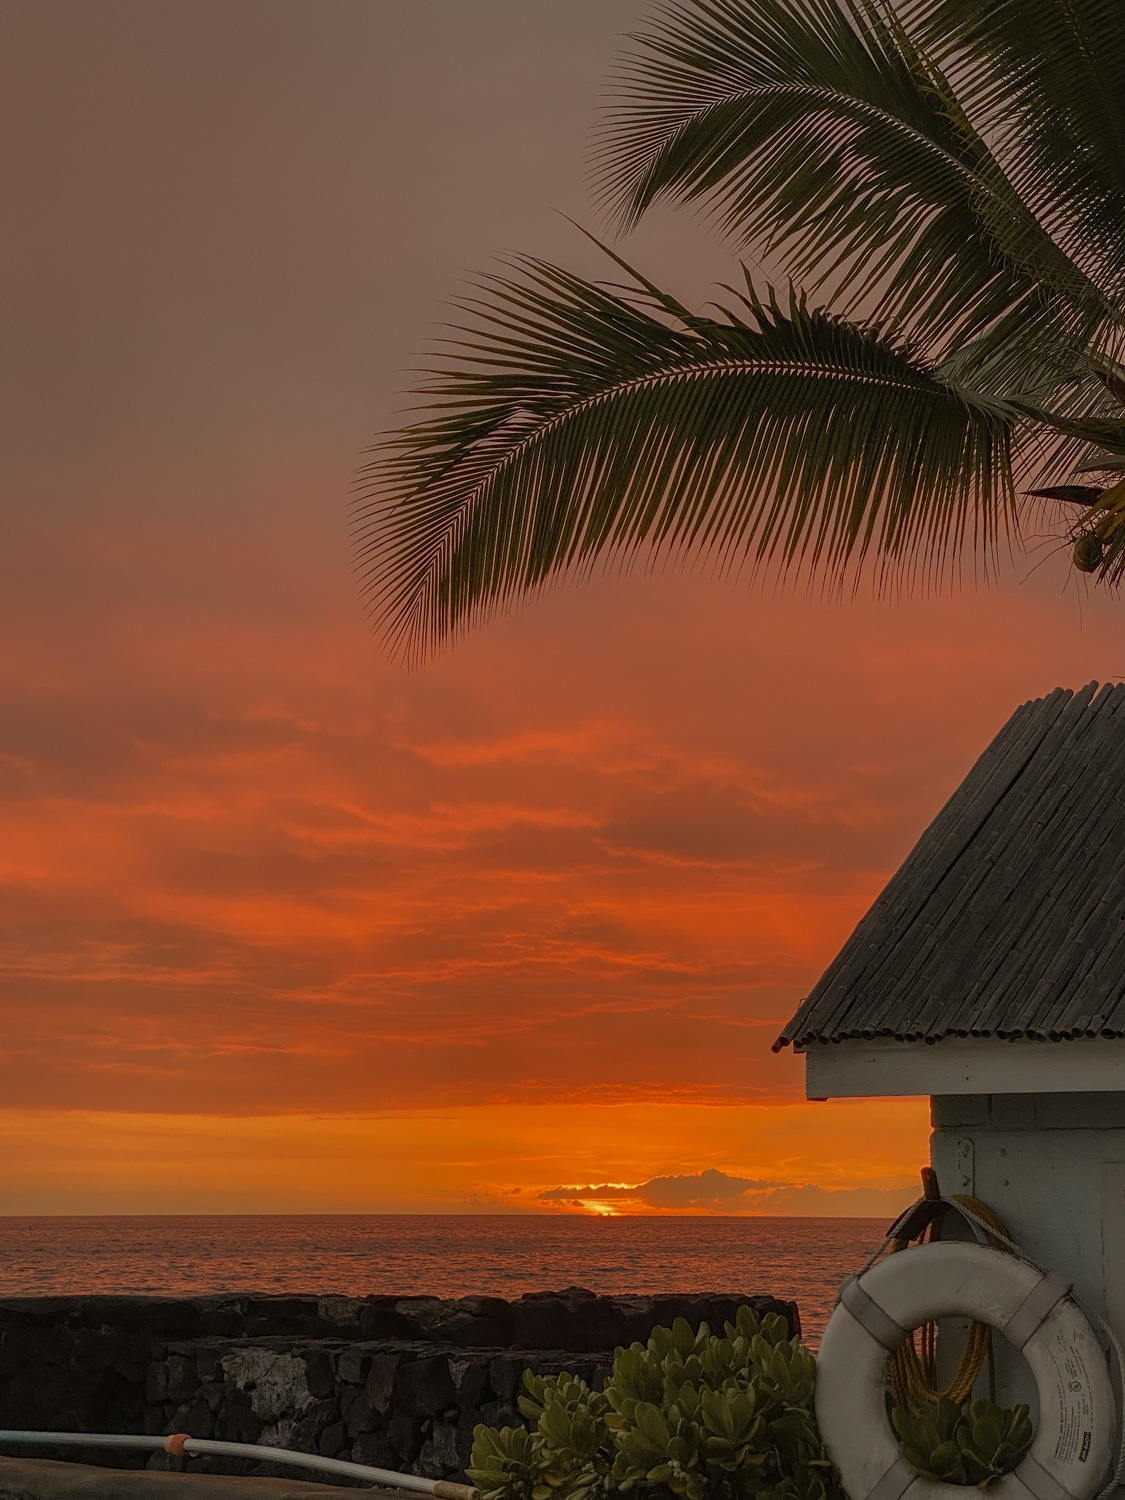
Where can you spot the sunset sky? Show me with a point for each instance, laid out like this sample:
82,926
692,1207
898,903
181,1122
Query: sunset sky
284,926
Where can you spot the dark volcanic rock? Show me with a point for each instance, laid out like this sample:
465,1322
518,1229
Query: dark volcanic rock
333,1440
505,1373
496,1309
470,1332
398,1381
375,1448
470,1380
380,1381
352,1366
319,1375
357,1411
405,1435
544,1322
308,1428
237,1424
424,1387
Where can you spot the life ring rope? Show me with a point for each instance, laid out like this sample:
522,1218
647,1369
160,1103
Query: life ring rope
912,1371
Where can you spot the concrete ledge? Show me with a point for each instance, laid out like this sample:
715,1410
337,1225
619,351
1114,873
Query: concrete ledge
44,1479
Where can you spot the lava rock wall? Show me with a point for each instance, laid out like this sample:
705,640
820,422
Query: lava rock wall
398,1382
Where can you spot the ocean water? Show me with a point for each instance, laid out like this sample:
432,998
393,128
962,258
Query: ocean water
448,1256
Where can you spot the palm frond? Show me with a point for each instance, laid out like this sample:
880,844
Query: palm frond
1046,82
570,425
819,131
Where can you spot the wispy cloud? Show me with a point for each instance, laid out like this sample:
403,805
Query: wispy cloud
711,1191
586,861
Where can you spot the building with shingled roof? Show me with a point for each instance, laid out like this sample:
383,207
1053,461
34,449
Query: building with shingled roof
990,975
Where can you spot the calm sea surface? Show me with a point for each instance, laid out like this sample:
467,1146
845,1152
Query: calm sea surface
448,1256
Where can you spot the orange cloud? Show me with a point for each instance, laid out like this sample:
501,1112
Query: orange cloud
249,867
256,884
712,1191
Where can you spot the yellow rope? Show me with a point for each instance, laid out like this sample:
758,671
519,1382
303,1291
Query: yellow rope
913,1366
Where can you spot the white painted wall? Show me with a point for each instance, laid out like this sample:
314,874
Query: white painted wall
1034,1129
1052,1166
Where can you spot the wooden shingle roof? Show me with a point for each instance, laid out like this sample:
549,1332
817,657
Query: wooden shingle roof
1007,919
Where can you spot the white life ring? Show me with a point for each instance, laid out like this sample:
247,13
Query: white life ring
1071,1451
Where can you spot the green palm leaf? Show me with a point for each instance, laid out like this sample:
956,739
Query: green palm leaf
573,425
949,175
818,131
1045,81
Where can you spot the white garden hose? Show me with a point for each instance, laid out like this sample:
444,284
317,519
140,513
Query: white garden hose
179,1443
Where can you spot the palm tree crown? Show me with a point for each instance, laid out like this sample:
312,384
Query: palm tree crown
944,184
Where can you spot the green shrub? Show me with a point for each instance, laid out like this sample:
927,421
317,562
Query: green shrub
687,1414
708,1418
974,1442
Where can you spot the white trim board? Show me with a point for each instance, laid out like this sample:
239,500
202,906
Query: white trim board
963,1065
